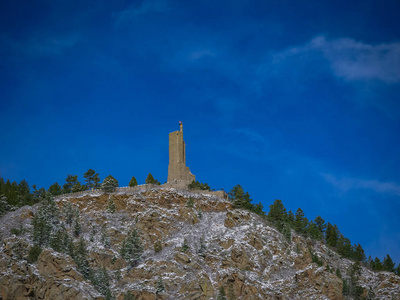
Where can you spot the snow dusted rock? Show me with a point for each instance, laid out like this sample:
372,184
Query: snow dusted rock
227,247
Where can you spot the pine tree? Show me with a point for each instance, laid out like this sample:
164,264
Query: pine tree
343,246
129,296
185,246
354,273
221,294
277,214
90,177
287,232
314,231
78,187
320,224
377,265
202,248
397,271
332,235
111,205
160,285
132,248
34,253
4,206
388,264
81,259
150,180
55,189
105,239
109,184
133,182
70,181
69,213
101,281
300,221
45,220
240,198
358,253
77,226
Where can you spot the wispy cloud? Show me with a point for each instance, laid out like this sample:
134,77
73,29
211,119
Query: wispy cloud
252,135
346,184
352,60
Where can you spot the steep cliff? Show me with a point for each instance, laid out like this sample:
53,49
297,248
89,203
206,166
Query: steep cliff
193,244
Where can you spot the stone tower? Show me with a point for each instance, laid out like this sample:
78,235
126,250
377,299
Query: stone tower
177,170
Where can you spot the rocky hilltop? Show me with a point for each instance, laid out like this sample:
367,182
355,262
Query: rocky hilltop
192,245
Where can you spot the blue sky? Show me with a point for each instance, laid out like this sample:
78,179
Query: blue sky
294,100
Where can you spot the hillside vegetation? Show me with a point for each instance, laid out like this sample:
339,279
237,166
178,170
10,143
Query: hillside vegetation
151,242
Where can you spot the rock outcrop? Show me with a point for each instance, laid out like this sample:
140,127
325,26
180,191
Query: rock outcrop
226,247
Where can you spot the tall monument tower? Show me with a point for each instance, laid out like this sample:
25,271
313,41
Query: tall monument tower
177,170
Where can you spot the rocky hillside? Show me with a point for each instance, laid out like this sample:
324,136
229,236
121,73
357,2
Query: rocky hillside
193,244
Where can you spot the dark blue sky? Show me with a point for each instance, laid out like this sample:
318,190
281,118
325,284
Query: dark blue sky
294,101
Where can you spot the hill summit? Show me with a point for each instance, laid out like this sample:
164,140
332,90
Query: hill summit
155,242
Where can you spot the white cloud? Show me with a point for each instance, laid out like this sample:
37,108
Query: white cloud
353,60
346,184
252,135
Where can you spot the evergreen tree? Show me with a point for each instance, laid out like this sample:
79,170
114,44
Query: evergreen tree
133,182
221,294
332,235
240,198
78,187
202,248
150,180
377,265
320,224
38,194
300,222
4,206
185,246
277,214
69,213
81,259
24,194
358,253
101,281
160,286
259,209
77,226
55,189
129,296
70,181
287,232
34,253
132,248
354,272
196,185
109,184
91,177
111,205
46,218
397,270
314,231
369,262
343,246
60,240
290,218
388,264
105,239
